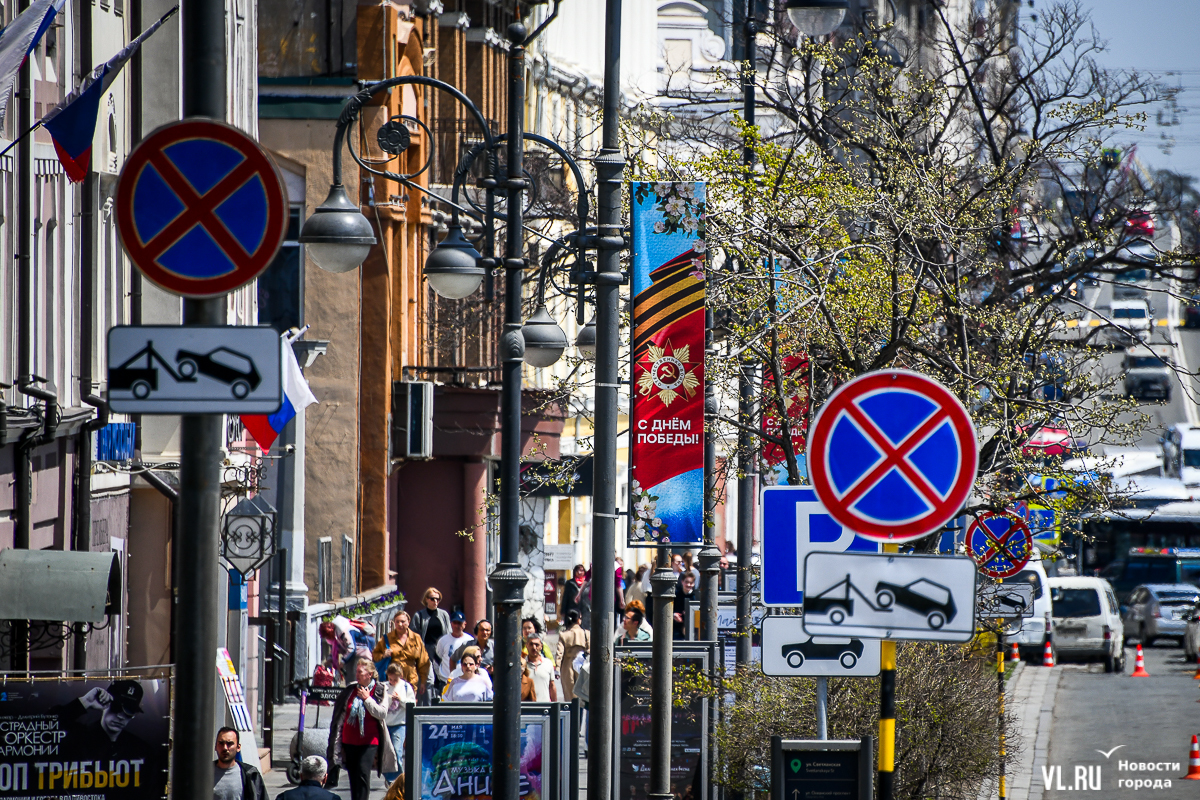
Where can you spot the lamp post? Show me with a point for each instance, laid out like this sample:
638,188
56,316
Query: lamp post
340,237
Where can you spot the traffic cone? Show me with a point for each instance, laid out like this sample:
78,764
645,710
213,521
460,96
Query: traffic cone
1196,677
1140,665
1048,655
1016,656
1193,773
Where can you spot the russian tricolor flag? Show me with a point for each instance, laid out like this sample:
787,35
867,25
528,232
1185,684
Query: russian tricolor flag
72,124
18,40
296,397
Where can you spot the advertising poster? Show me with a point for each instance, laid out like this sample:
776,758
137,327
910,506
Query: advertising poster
667,431
456,760
85,740
688,764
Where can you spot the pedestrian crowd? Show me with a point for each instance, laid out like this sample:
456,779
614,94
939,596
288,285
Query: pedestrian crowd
429,657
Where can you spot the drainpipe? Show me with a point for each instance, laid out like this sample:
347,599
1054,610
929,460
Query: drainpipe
24,490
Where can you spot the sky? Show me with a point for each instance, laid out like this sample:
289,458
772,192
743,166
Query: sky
1158,37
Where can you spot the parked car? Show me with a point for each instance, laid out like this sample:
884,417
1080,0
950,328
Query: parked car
1148,372
1159,610
1191,310
1030,635
1144,565
1087,621
1181,453
1131,320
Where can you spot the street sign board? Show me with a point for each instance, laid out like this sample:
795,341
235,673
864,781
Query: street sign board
1000,544
789,652
893,455
793,524
839,769
1004,600
889,596
174,369
201,208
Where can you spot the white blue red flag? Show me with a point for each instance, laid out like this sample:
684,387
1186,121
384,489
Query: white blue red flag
265,428
18,40
72,124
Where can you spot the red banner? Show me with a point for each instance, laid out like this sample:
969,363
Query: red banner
796,383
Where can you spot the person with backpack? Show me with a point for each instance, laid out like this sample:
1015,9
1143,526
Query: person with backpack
403,646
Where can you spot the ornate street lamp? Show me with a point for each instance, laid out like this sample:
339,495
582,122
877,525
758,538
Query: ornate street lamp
453,269
337,236
816,17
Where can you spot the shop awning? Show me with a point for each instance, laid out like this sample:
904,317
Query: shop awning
59,586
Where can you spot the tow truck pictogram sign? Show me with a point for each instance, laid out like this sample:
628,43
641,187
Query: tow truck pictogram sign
170,369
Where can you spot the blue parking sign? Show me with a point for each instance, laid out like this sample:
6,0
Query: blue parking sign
793,523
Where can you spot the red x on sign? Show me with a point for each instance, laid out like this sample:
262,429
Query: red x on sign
201,209
892,455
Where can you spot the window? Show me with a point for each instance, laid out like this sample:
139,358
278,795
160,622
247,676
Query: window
1075,602
324,569
1033,579
1191,458
1129,313
347,562
281,286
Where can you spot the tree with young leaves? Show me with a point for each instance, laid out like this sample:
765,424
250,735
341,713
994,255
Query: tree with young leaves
941,215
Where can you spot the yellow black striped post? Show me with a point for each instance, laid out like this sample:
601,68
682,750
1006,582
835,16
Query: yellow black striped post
887,712
1000,659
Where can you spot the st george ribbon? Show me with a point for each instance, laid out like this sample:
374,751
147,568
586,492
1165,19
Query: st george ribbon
667,419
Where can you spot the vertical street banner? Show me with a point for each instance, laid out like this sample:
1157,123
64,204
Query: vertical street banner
794,372
667,414
100,739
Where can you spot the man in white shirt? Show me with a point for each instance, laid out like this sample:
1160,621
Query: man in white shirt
541,670
450,643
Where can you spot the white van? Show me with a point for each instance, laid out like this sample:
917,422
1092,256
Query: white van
1087,621
1030,637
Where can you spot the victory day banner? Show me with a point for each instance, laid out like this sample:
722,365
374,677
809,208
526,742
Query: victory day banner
93,739
667,417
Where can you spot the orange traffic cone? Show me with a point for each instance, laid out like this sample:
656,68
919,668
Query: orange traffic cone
1016,656
1048,655
1140,665
1193,773
1196,677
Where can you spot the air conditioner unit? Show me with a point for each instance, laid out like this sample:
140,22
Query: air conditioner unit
412,419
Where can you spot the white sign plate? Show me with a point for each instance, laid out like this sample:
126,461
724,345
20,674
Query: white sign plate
1005,600
789,652
890,596
559,556
192,369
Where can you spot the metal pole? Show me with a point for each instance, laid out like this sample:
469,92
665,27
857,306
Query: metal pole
197,546
610,166
1000,659
822,708
709,558
663,585
280,625
887,711
508,579
747,465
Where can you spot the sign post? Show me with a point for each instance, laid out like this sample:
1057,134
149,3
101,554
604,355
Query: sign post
201,211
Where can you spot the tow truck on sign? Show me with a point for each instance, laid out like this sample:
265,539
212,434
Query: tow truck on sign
141,381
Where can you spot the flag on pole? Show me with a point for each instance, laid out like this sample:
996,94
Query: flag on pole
18,40
265,428
72,124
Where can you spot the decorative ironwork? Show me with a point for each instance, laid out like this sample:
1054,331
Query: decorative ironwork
46,633
248,536
394,137
240,480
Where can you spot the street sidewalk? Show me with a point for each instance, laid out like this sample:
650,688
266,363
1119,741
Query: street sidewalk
1030,698
287,720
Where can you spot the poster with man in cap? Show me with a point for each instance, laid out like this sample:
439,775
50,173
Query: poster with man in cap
101,738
